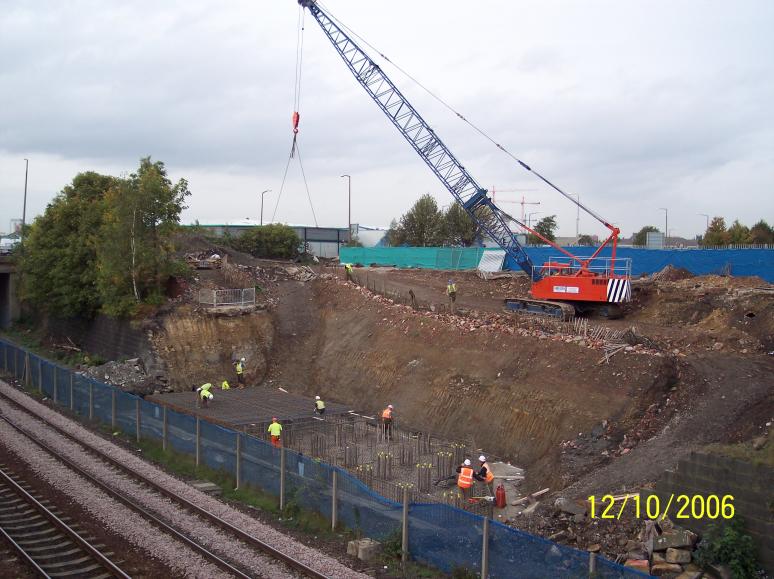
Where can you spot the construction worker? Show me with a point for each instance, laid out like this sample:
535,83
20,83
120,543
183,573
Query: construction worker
451,291
387,422
240,372
225,385
465,478
348,271
275,430
319,406
204,395
485,474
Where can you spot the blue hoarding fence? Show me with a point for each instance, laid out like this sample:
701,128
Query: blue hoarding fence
439,535
753,261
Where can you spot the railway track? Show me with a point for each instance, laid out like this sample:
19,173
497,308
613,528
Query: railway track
150,486
43,540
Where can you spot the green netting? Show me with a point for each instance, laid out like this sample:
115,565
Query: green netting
424,257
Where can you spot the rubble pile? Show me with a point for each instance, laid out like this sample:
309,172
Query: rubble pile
129,376
469,321
209,259
671,273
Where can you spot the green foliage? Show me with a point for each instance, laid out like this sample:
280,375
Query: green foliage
545,227
392,545
586,240
104,244
135,253
739,233
729,545
761,232
59,262
641,237
716,233
269,241
459,228
354,242
422,226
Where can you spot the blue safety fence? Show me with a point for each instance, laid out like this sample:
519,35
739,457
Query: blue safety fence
181,432
83,389
751,261
439,535
103,401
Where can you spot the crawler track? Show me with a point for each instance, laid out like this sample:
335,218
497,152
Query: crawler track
152,487
44,541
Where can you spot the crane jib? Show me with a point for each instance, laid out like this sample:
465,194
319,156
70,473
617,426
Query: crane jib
425,142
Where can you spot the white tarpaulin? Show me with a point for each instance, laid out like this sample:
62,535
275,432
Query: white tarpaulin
491,261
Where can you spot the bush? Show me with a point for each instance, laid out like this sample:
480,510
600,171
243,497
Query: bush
729,545
270,241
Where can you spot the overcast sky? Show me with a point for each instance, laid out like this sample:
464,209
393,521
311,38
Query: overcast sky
634,105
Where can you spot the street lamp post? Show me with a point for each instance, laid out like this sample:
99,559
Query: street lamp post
24,207
707,217
262,194
577,216
349,207
529,218
666,225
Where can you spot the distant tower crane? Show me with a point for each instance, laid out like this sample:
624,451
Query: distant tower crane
559,288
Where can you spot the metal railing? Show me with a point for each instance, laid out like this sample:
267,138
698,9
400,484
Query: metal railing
621,267
227,297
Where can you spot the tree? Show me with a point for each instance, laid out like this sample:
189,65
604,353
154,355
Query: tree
459,228
269,241
544,227
135,251
761,232
395,235
59,262
586,240
423,224
738,233
716,233
641,237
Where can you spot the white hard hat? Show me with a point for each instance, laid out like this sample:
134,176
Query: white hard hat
389,406
243,359
482,458
467,462
316,397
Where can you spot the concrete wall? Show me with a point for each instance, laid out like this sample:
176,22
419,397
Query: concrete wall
752,487
9,301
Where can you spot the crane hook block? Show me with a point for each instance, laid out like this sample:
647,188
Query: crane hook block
296,118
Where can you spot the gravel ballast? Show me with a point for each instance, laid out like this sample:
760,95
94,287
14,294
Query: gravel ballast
112,514
208,535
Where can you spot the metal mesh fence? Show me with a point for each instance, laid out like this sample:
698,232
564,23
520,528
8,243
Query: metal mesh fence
151,420
181,432
81,400
217,447
126,412
103,402
439,535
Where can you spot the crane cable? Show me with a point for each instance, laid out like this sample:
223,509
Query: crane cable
294,148
463,118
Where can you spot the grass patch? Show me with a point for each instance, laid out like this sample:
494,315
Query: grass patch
745,451
33,339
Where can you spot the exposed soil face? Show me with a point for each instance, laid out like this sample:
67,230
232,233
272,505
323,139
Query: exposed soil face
199,347
515,396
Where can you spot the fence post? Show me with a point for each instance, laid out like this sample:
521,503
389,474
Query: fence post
72,400
55,384
405,530
238,459
164,429
282,478
485,550
137,417
334,502
5,357
198,441
27,377
592,564
113,409
91,400
40,375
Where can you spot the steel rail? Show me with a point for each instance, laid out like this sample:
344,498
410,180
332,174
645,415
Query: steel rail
142,511
71,533
244,536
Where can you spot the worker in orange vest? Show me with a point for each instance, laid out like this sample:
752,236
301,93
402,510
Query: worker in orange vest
485,474
465,480
387,422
